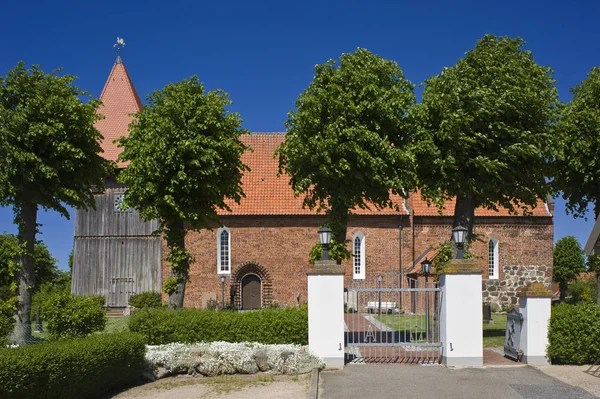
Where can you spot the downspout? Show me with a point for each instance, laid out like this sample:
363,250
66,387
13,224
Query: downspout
401,277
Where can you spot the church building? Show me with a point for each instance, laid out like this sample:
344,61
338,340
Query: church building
259,256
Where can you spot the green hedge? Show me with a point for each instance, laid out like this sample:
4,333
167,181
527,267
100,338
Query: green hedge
72,368
149,299
574,334
69,315
267,326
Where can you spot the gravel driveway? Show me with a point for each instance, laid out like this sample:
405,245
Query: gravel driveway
260,385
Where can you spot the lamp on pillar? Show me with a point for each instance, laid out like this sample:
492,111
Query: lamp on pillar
222,292
325,239
426,268
459,234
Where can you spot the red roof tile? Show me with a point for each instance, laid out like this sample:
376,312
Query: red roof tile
420,208
267,194
119,101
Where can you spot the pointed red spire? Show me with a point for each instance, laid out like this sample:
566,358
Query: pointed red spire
119,100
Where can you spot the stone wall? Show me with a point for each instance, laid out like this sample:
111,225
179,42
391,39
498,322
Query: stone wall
501,293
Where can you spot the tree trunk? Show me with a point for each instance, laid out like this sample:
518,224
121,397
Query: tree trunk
563,285
26,277
464,215
176,240
338,222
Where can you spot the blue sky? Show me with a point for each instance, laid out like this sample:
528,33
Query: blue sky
263,53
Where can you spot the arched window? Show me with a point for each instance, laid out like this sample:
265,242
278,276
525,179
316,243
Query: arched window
358,252
493,259
223,251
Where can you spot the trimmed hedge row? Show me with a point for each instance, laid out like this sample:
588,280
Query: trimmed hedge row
72,368
574,334
148,299
266,326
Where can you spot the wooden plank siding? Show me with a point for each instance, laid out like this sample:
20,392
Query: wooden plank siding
114,253
104,262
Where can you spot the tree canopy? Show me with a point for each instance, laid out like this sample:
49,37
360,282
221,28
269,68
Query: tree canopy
485,130
569,261
43,263
577,164
347,139
184,150
50,158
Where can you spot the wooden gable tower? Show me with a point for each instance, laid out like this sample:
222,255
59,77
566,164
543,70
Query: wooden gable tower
115,254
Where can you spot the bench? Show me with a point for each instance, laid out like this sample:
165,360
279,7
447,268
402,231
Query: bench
386,307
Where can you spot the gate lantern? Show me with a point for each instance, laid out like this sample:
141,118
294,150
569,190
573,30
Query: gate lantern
458,234
325,239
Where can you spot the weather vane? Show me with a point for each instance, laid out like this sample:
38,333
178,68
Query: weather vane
119,44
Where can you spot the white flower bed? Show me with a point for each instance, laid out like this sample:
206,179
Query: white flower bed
219,358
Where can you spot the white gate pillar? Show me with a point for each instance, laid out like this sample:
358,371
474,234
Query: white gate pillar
326,312
461,318
534,305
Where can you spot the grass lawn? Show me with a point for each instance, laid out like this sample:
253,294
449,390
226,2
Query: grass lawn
116,324
405,322
493,334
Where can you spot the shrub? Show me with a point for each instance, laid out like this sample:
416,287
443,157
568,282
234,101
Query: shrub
72,368
266,326
7,319
45,291
582,290
574,334
69,315
149,299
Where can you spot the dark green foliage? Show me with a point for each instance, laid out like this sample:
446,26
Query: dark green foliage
44,264
348,140
50,158
185,151
44,291
267,326
481,124
574,334
582,290
69,315
7,318
577,174
75,368
568,262
149,299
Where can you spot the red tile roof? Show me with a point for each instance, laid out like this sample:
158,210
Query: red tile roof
420,208
267,194
119,100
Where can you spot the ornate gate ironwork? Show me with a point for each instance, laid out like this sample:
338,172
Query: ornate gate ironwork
392,318
512,337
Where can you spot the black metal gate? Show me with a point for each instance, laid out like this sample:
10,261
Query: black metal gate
392,318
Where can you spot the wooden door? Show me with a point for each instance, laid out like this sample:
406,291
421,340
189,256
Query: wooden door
251,292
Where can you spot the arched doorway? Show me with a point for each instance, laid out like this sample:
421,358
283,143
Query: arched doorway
251,292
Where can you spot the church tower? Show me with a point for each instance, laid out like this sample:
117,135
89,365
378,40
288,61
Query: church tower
115,254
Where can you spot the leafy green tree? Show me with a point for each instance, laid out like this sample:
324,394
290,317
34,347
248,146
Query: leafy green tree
49,150
577,169
485,130
185,151
44,265
569,261
593,265
346,143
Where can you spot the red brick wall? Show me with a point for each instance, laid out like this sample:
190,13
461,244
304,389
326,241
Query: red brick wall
280,246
